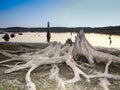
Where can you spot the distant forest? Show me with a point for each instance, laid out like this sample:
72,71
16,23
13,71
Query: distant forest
103,30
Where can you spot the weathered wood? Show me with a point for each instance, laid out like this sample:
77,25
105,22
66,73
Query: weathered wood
83,47
57,53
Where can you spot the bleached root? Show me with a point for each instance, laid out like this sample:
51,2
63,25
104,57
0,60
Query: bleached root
47,49
80,66
87,64
107,65
57,53
5,53
12,57
104,83
9,66
76,70
17,67
8,60
30,84
103,75
54,74
83,47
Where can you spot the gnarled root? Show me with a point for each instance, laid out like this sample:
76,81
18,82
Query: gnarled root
83,47
76,70
57,53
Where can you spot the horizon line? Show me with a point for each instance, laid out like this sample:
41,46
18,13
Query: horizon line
61,26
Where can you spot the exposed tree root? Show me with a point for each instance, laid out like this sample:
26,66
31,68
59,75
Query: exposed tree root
83,47
55,75
30,84
57,53
76,71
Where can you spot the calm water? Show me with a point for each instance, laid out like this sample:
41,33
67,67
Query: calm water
37,37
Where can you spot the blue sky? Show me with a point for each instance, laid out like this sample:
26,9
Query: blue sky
63,13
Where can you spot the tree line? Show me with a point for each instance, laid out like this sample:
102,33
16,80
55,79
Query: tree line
103,30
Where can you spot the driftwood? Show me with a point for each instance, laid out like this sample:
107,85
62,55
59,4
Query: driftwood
57,53
83,47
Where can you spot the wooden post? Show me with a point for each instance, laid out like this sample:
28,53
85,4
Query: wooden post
48,32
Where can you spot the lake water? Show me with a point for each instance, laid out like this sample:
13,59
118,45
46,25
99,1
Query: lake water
38,37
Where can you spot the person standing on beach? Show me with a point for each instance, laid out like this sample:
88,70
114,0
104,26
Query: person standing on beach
110,40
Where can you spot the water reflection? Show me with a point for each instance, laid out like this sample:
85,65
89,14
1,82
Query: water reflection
37,37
